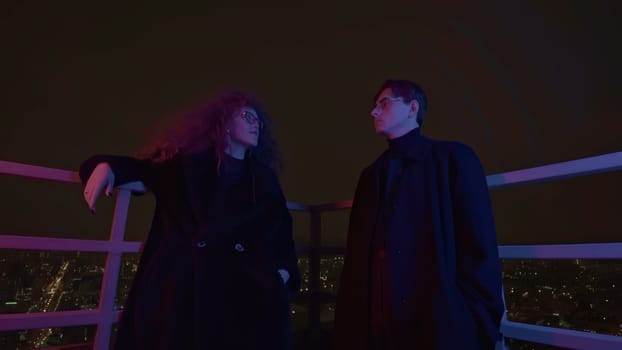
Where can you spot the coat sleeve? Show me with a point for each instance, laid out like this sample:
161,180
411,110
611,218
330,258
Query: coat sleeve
286,257
478,265
351,316
126,169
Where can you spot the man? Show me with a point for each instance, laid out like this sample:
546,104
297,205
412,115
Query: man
422,268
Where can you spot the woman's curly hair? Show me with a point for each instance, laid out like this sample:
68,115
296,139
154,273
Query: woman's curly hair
204,129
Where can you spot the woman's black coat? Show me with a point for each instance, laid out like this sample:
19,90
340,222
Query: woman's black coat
208,281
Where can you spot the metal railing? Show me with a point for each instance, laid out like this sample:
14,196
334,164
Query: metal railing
557,336
106,315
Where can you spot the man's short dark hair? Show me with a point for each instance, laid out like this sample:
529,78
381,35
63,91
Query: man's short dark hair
408,91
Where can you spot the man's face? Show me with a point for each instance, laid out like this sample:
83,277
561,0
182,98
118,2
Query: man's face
392,116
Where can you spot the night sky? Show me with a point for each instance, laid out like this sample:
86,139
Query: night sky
525,83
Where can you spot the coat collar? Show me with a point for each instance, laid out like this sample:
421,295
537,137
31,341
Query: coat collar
202,180
411,146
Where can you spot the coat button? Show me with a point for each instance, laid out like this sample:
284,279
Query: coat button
239,247
201,244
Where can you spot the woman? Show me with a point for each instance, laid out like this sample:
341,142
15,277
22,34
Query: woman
219,265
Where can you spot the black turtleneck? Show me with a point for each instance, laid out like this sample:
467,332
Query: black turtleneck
391,164
231,171
400,145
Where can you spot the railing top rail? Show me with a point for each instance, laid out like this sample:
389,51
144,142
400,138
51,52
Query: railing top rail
579,167
51,174
38,172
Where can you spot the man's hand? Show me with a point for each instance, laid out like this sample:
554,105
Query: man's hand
101,177
284,275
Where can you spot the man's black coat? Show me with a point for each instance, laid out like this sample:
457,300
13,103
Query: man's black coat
443,278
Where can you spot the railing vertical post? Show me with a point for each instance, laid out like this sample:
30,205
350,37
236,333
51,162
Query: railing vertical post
500,345
315,216
111,273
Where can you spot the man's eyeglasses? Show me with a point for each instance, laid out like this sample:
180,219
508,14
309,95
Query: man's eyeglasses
251,118
384,102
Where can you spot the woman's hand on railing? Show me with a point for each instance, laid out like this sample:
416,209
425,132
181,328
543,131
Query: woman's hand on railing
101,178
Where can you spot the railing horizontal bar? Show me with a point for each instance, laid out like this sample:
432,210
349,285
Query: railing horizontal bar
551,251
67,244
73,346
51,174
38,172
345,204
302,250
35,320
324,297
295,206
562,251
584,166
560,337
336,250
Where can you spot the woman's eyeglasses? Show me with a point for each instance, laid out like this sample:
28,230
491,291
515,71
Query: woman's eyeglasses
251,118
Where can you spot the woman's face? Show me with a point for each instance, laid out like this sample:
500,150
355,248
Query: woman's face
244,128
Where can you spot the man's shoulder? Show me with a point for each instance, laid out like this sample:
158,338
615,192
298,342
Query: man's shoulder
369,168
452,149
